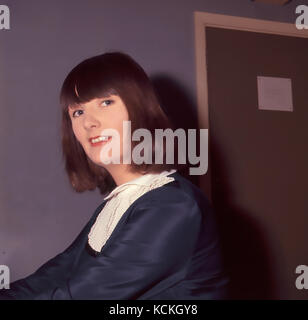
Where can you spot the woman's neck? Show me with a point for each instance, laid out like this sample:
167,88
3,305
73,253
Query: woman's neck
121,173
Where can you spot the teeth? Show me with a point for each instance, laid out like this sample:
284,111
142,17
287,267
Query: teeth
99,139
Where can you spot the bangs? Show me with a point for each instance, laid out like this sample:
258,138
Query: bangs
86,82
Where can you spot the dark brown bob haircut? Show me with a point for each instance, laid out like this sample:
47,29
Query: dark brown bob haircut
97,77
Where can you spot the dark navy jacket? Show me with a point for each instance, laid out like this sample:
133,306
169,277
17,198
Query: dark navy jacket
165,246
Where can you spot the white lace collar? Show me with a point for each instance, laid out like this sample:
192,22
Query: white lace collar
145,180
119,201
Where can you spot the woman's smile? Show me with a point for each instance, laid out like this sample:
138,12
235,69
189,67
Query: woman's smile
99,140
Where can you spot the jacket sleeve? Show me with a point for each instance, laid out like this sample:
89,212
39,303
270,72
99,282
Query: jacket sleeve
49,276
156,241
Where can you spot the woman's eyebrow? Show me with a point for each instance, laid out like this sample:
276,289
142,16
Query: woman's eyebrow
103,96
75,106
107,95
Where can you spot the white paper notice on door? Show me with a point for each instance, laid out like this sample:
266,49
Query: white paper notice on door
274,93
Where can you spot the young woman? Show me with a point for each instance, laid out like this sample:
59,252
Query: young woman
154,236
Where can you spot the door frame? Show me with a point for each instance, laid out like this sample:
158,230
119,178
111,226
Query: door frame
202,20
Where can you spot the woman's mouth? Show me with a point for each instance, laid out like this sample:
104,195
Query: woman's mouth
99,140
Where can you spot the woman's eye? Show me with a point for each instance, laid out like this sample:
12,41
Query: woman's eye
77,113
107,102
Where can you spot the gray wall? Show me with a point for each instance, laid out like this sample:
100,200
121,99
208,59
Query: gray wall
40,214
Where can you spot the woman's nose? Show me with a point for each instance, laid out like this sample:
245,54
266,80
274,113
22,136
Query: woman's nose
91,121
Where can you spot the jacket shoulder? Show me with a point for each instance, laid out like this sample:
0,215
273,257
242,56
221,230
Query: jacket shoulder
180,191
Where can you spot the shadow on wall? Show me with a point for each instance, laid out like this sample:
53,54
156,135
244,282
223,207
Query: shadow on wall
244,246
179,108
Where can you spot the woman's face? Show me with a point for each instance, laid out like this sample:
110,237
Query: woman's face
91,118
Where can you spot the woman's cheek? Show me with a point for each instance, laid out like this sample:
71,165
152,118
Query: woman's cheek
77,132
